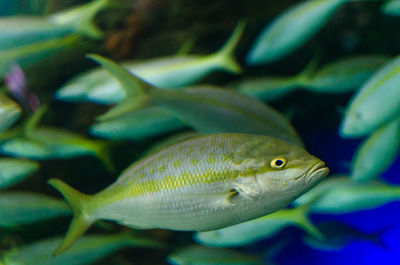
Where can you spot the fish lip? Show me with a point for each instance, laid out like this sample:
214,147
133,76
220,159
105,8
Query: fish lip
318,167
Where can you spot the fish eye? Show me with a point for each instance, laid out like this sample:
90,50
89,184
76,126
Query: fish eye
278,162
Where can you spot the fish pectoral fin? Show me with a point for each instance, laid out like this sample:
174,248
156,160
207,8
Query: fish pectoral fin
248,187
220,198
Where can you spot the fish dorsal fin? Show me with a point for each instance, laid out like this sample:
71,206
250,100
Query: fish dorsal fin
304,77
187,46
137,90
132,85
125,107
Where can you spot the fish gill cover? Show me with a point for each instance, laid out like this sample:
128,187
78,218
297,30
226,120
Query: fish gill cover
199,132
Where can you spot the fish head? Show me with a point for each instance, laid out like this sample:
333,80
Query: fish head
358,121
294,172
283,169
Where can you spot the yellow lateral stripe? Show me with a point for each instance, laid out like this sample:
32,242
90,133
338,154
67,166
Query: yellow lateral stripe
135,189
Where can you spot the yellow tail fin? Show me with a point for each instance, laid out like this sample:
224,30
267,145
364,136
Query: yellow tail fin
226,55
81,220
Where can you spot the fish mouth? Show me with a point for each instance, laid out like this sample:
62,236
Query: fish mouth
318,170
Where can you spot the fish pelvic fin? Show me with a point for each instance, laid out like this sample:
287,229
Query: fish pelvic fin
81,220
225,57
137,90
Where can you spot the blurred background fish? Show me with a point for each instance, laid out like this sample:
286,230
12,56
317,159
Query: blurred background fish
320,74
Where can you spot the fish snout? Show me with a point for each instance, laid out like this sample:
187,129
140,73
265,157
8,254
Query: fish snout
317,171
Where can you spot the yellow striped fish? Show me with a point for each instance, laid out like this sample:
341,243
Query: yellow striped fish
200,184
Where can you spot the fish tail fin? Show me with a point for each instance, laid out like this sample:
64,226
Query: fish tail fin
137,90
303,220
377,237
81,220
87,26
82,17
226,55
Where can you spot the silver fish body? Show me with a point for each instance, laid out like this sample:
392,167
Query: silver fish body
204,183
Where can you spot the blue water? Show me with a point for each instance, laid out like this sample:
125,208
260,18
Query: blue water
330,147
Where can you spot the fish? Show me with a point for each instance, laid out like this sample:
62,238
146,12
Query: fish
375,104
17,31
346,74
207,109
341,195
45,142
13,171
340,76
87,250
201,255
171,72
141,124
261,228
266,88
23,208
201,184
30,55
10,112
291,30
81,18
171,140
391,7
270,88
376,153
340,235
26,40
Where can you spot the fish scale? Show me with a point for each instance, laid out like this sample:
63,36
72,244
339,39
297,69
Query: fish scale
200,184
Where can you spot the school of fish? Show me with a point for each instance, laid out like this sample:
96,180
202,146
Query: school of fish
218,158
